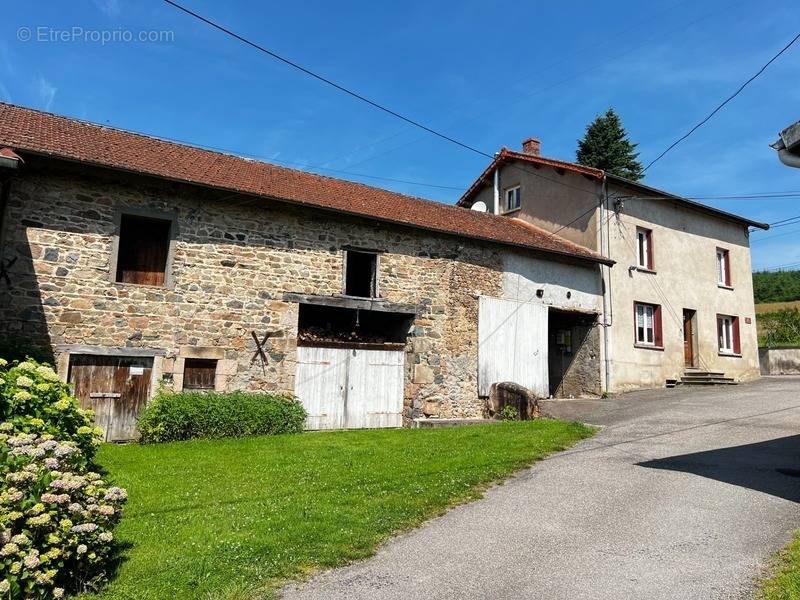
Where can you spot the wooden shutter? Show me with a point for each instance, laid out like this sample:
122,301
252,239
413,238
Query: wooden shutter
737,341
143,250
658,336
649,238
199,374
727,258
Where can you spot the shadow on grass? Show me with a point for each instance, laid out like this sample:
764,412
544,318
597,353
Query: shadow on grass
763,466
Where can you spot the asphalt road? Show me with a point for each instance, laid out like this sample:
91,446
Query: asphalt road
678,496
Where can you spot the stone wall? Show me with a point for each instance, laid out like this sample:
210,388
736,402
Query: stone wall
779,361
234,258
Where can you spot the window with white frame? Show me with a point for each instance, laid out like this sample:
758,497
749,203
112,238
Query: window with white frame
512,198
647,324
728,334
644,248
723,267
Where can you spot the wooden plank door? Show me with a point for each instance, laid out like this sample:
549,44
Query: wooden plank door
688,337
374,389
115,388
512,345
320,385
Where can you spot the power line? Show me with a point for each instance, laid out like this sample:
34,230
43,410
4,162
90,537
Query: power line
769,237
359,96
720,106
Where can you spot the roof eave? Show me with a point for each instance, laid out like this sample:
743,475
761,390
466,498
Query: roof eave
694,204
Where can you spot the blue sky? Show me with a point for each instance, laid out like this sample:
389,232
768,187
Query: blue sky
487,77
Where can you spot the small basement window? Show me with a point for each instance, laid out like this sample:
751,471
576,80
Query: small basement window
143,250
361,274
199,374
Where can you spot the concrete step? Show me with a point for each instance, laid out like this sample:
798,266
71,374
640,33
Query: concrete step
699,373
697,380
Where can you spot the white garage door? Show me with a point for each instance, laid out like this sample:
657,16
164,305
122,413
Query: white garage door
350,389
512,344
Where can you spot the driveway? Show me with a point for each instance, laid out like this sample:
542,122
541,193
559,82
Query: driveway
678,496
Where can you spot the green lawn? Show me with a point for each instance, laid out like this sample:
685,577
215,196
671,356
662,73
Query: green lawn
230,518
784,580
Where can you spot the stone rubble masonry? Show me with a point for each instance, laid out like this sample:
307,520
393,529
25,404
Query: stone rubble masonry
234,258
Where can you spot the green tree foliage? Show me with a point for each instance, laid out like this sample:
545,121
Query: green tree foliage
605,145
776,286
781,328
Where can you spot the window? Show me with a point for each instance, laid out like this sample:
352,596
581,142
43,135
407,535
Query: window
723,267
728,334
644,248
199,374
647,324
512,198
361,274
143,250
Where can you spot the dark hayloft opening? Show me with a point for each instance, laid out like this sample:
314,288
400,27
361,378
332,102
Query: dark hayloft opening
361,274
143,250
325,325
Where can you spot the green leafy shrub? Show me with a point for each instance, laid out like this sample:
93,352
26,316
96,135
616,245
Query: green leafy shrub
186,415
508,413
780,328
35,400
56,515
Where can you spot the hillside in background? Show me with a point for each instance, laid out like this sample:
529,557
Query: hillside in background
776,286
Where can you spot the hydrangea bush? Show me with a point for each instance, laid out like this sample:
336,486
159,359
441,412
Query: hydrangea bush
35,400
56,514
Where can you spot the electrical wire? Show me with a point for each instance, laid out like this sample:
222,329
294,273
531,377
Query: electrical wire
721,105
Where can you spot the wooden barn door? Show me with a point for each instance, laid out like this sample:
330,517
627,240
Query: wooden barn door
512,345
348,388
115,388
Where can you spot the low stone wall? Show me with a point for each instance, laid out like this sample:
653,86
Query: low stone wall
779,361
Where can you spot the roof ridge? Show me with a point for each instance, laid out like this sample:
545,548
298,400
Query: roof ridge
65,138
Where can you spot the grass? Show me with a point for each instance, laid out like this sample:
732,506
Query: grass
229,519
768,307
783,583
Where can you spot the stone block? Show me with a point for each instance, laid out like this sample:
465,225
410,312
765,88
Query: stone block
423,374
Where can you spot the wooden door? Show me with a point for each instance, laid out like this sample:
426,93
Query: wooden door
320,385
115,388
512,345
374,389
348,388
688,337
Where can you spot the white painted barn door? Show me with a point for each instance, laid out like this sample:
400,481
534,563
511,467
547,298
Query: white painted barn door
512,344
344,388
320,383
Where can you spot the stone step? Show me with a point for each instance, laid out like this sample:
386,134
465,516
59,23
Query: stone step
430,423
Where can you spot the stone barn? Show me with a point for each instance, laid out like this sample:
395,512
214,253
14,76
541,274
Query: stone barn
139,263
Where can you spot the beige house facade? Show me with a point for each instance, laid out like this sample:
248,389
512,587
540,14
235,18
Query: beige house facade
678,304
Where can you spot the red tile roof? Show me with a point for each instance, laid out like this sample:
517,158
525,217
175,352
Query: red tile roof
506,155
26,130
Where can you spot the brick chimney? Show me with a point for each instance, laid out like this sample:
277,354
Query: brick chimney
531,146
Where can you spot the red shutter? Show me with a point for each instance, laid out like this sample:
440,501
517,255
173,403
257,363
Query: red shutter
737,340
727,268
650,261
657,331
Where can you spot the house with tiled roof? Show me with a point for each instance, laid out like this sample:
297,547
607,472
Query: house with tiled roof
138,262
678,306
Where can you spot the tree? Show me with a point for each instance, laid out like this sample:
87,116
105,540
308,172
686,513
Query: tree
606,146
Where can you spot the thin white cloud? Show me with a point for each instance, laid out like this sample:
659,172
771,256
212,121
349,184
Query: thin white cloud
46,92
110,7
5,94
